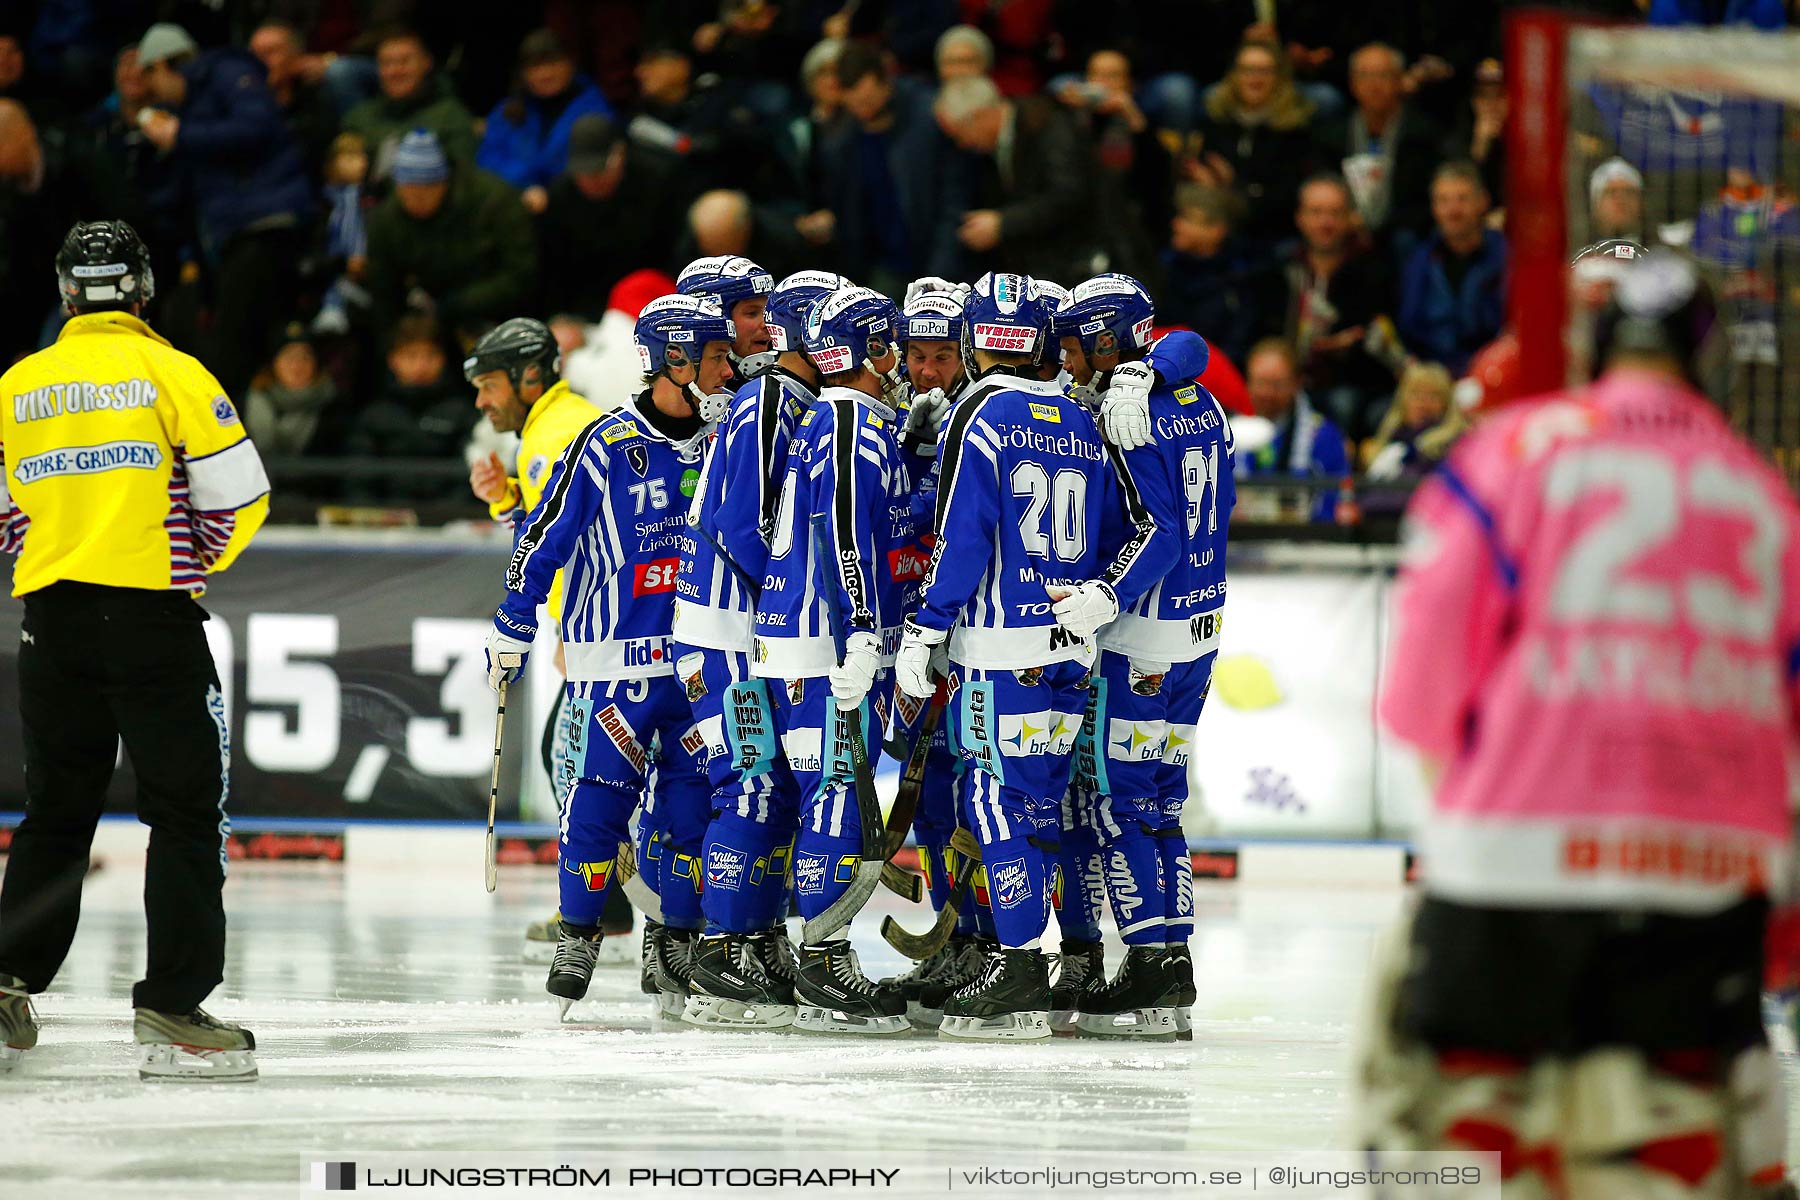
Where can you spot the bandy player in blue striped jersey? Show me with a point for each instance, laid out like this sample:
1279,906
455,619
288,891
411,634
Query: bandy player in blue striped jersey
743,972
1155,667
742,289
1027,514
612,520
843,470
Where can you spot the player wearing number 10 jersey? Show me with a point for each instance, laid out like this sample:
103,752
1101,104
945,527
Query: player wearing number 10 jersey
1596,640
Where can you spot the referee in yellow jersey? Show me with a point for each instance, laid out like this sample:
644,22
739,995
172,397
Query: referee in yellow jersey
125,480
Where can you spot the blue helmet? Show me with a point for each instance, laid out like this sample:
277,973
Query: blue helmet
848,328
1109,314
933,317
1055,293
789,303
727,278
1005,314
677,327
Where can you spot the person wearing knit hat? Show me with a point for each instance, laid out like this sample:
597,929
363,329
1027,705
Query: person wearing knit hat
420,161
451,240
1616,201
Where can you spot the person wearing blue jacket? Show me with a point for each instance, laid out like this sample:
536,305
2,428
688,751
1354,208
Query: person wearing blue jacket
1154,670
1041,539
527,137
218,122
844,473
612,520
742,965
1453,288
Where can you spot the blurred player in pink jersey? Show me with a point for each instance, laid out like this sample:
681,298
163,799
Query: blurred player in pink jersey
1597,631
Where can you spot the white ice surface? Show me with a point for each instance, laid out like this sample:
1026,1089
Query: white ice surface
392,1012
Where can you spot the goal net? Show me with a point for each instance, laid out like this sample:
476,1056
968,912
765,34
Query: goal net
1683,138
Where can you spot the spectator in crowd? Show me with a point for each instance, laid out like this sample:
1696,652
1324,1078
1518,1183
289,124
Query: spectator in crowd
413,96
1452,300
570,332
1210,284
422,409
1019,34
756,50
293,78
1481,135
1616,201
1135,176
217,120
724,221
1033,184
890,179
606,368
805,133
346,236
288,397
1255,140
452,241
1419,427
1386,151
610,209
1336,294
158,209
34,193
527,138
963,52
44,103
683,126
1306,441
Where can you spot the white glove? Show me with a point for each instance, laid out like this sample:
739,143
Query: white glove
505,657
924,415
1084,608
930,285
1125,407
912,665
1387,464
851,679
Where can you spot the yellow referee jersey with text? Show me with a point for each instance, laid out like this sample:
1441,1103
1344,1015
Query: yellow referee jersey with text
550,425
123,463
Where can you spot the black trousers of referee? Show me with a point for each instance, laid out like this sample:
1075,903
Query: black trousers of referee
97,664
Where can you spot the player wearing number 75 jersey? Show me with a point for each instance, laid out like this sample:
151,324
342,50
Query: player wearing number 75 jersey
1028,512
612,520
1597,630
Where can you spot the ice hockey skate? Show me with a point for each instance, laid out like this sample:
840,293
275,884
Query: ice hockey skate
1009,1002
18,1024
674,967
193,1047
925,972
1139,1002
776,953
573,966
541,938
729,988
1181,964
832,995
1080,967
968,953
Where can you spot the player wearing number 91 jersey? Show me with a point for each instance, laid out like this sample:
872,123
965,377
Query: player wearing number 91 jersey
1597,630
1156,660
